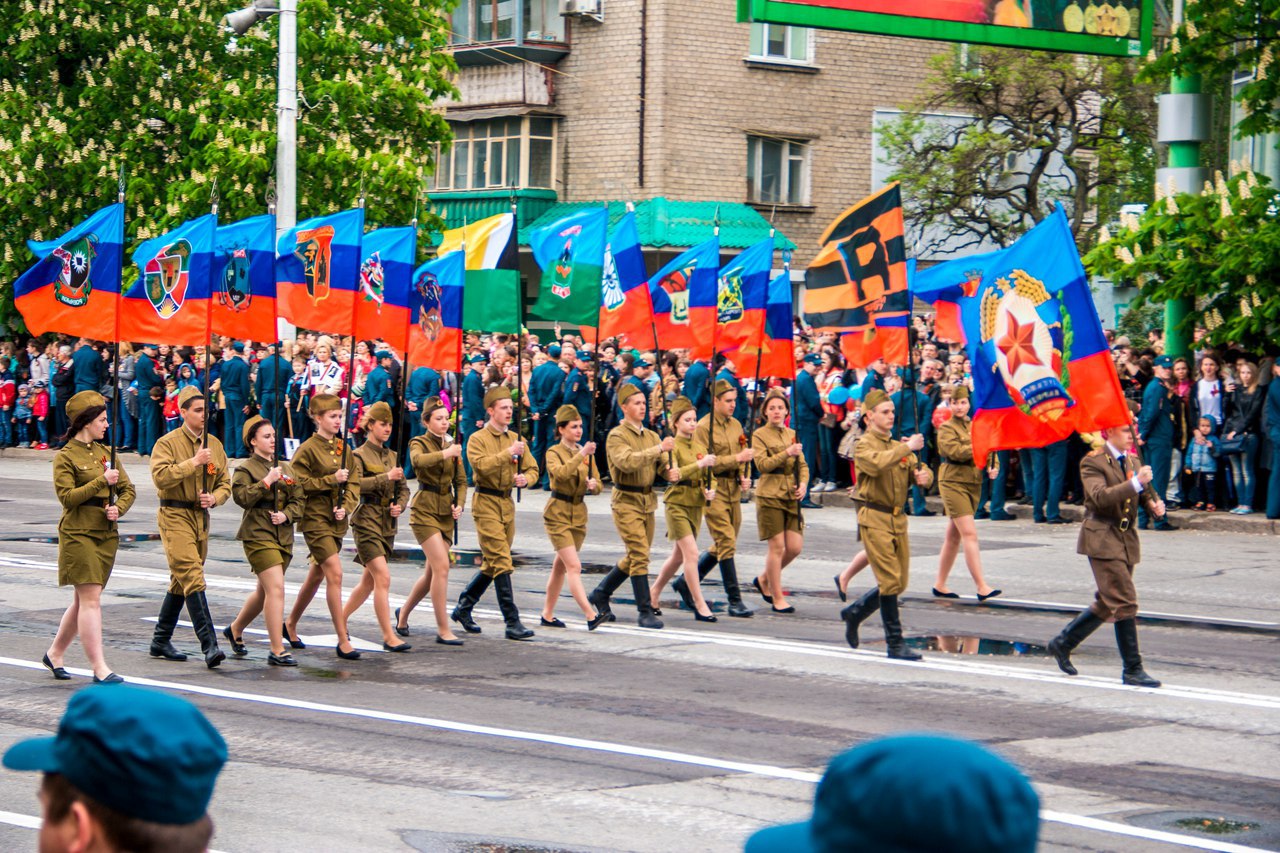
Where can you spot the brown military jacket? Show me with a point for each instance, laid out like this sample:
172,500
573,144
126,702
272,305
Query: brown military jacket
688,490
259,501
177,478
635,459
491,465
377,493
886,470
777,484
569,471
438,479
80,483
728,444
955,443
1110,531
315,464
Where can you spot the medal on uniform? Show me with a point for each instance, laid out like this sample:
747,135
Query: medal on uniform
210,469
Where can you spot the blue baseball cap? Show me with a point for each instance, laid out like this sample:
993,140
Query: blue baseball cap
553,350
584,355
909,793
381,354
1163,361
145,754
237,346
475,359
813,358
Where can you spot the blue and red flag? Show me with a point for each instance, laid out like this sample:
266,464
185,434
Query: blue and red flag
318,271
944,285
881,331
626,307
1041,365
670,291
244,279
435,313
73,288
170,299
386,277
730,314
775,354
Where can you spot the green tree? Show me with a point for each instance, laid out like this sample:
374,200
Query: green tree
165,91
1002,135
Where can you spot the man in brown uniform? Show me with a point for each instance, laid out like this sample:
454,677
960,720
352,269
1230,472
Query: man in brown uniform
189,470
636,458
1113,487
724,514
886,469
499,460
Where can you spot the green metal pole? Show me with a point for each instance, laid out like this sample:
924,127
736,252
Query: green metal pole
1182,155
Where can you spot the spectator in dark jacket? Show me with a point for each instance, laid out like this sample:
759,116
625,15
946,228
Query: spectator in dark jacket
1244,421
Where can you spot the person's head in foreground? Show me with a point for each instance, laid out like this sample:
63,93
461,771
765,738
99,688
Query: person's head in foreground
911,794
130,769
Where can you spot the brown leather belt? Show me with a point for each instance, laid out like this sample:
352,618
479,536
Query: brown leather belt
891,510
635,490
561,496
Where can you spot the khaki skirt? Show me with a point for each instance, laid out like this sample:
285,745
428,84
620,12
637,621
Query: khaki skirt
425,525
264,555
321,544
372,547
959,499
774,518
86,557
683,521
565,523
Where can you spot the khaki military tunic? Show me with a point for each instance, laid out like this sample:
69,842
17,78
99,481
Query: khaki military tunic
266,544
316,462
374,528
565,516
635,460
442,484
87,542
683,499
1109,534
493,509
184,526
886,470
724,514
777,509
959,480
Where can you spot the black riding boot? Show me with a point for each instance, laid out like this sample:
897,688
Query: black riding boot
608,585
202,621
161,639
893,629
510,613
1073,635
640,586
462,613
1127,640
855,614
706,562
729,574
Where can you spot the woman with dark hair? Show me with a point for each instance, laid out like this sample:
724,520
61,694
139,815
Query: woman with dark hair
1182,385
94,495
960,485
266,489
1210,392
1244,423
783,480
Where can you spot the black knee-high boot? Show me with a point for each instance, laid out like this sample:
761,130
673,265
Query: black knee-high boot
462,613
510,613
202,621
162,638
640,586
608,585
1127,640
857,612
1073,635
893,629
706,562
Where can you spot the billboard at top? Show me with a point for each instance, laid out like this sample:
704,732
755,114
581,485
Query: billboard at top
1112,27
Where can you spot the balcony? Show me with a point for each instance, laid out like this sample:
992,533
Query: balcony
498,32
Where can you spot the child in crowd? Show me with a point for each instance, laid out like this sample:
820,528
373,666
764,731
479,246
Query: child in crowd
171,413
8,396
40,413
22,417
1202,464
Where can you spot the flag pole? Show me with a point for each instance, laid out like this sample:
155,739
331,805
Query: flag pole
116,427
276,416
711,374
757,404
351,372
519,418
208,353
595,350
456,414
400,447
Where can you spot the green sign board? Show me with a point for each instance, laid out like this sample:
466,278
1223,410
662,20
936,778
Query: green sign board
1110,27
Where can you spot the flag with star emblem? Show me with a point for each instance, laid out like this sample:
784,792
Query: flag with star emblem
1041,366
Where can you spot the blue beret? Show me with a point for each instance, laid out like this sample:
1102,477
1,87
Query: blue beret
813,358
381,354
237,346
584,355
554,350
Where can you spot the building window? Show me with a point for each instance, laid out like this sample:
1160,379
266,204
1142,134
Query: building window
777,43
499,153
483,21
777,170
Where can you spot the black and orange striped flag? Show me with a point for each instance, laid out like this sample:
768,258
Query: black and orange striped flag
863,259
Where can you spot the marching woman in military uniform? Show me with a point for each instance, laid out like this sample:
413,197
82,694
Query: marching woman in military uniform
442,493
384,494
572,472
266,489
684,500
784,476
93,496
322,468
960,484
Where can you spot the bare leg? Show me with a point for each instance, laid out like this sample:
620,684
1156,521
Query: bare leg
947,557
437,551
794,545
421,587
271,586
669,568
249,611
360,593
972,553
568,558
381,575
68,627
555,581
306,592
773,570
689,552
857,564
332,569
89,597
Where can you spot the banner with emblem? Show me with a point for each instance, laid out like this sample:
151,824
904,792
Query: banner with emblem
244,279
492,299
318,271
73,287
727,312
571,254
435,314
944,284
169,300
670,287
1041,366
625,305
386,277
776,352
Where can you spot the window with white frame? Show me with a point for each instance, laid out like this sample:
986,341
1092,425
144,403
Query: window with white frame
778,43
777,170
481,21
519,151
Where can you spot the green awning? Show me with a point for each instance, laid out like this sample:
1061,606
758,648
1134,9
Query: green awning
459,208
664,223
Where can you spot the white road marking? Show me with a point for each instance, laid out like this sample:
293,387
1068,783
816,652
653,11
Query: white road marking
1159,614
22,820
750,768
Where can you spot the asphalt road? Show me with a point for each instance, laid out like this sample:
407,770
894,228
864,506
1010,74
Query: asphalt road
691,737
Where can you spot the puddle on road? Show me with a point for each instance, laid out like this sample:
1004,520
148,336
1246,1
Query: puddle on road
962,645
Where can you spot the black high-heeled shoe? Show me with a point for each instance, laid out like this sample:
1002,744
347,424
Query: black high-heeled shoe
710,617
238,648
295,641
354,654
454,642
403,632
59,672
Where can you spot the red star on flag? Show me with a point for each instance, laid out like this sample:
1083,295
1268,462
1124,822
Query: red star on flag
1018,344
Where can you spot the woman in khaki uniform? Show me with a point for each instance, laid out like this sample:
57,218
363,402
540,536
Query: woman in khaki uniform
959,484
685,500
272,500
442,493
321,465
383,496
572,473
783,479
84,482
